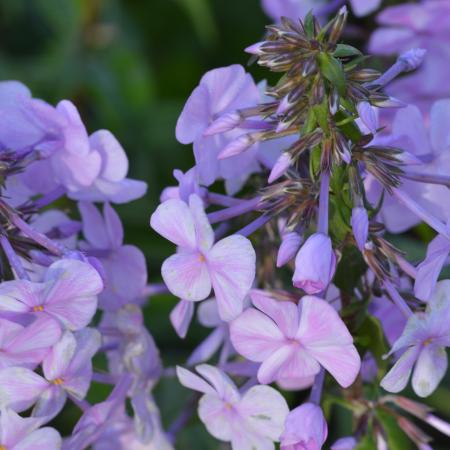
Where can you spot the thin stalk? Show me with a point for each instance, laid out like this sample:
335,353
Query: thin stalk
234,211
316,390
398,299
13,259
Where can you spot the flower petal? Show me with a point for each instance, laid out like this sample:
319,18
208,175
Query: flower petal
46,437
173,220
59,357
192,381
232,263
181,316
255,336
223,385
186,276
430,368
203,230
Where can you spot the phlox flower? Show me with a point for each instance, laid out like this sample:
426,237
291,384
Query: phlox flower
26,346
227,266
68,292
17,433
111,183
220,91
427,143
423,343
253,419
125,265
305,429
294,341
67,370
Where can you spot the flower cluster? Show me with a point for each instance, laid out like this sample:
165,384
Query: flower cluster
292,264
70,289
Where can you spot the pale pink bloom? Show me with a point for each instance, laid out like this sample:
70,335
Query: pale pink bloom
254,419
227,266
294,341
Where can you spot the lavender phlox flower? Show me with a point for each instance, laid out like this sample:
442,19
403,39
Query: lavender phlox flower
421,25
19,433
111,183
424,340
305,428
67,370
125,265
315,264
345,443
294,341
227,266
67,292
26,346
429,144
220,92
253,419
429,269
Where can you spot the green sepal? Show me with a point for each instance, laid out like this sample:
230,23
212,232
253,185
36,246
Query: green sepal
308,25
396,438
344,51
331,68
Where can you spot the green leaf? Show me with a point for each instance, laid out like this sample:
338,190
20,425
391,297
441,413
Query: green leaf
371,337
344,50
397,439
350,268
332,70
308,24
321,112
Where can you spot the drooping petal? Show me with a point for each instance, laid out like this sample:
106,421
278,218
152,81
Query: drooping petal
430,368
181,317
186,276
173,220
265,410
255,336
193,381
50,402
206,349
231,263
114,228
20,388
93,225
397,378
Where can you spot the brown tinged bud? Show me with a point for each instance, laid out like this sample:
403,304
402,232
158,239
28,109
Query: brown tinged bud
338,26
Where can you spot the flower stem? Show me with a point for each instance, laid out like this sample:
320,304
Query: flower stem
398,299
255,225
316,390
13,259
322,223
234,211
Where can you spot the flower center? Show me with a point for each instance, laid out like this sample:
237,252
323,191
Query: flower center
428,342
38,308
57,382
2,447
201,258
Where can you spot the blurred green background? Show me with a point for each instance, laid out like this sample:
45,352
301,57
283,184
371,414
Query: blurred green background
129,66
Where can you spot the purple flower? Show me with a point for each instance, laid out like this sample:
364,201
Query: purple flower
125,265
294,341
251,420
228,266
111,184
427,144
67,292
67,370
220,91
188,183
290,243
26,346
17,433
423,344
315,264
422,25
305,428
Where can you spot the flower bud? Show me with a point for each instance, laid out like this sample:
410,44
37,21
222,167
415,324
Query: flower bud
305,428
290,244
360,226
345,443
315,264
280,167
